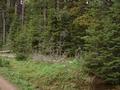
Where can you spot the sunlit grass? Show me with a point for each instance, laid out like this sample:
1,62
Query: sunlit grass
29,75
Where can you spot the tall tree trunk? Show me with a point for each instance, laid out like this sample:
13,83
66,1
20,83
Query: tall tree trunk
45,15
4,27
23,7
8,4
57,5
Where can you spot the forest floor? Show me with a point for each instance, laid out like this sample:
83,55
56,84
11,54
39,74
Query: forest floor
6,85
38,57
30,75
40,73
7,55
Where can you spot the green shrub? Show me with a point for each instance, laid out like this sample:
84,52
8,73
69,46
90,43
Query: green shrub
4,63
103,58
21,56
101,66
21,45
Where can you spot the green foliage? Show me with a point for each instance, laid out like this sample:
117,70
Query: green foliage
22,45
102,56
46,76
52,26
21,56
70,27
4,62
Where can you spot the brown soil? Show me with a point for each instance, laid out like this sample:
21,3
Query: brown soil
6,85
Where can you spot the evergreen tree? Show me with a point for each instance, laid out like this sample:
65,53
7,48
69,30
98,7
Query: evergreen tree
102,56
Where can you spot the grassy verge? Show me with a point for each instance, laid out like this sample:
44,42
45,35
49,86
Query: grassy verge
29,75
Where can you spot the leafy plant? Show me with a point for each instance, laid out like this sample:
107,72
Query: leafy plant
22,45
4,62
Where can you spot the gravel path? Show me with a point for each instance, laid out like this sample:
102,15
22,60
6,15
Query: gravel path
5,85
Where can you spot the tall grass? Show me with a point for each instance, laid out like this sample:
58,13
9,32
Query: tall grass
4,62
29,75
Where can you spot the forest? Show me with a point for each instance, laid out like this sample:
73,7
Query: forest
60,44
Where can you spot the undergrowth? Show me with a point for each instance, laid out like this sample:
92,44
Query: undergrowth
4,62
29,75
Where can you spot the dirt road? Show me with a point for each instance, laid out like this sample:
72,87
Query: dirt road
5,85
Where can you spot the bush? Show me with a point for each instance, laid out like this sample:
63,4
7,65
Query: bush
102,56
21,56
4,63
22,45
102,67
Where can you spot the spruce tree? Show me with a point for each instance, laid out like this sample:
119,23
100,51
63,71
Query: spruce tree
102,56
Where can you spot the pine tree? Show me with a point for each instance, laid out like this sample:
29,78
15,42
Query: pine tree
102,56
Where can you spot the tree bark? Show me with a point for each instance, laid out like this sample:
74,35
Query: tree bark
57,5
4,27
23,10
8,4
45,15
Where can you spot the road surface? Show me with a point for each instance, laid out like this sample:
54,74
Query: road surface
6,85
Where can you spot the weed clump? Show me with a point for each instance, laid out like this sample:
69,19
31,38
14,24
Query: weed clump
4,62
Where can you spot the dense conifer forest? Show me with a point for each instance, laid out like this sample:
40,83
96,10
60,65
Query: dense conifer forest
83,36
